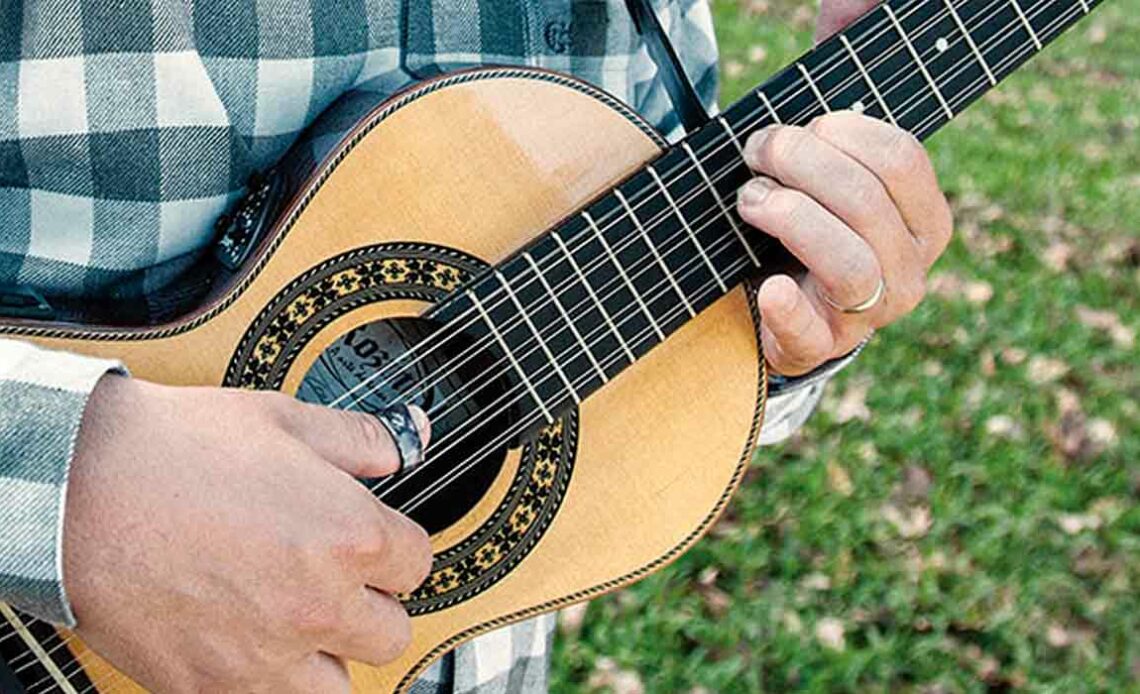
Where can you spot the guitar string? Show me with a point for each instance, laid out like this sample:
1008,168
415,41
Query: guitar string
474,459
390,485
838,60
477,348
2,639
471,352
935,117
444,481
548,298
436,488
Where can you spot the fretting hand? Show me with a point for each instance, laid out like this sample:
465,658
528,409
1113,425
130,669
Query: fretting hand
856,200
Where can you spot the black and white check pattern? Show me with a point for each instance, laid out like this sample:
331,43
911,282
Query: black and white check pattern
126,127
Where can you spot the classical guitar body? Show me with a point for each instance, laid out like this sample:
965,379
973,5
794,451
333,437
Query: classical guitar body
428,191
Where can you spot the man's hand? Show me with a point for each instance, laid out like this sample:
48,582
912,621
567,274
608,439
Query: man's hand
856,200
836,14
217,540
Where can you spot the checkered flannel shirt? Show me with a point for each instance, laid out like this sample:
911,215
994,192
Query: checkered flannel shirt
126,127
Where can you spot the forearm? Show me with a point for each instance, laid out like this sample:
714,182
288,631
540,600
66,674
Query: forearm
42,399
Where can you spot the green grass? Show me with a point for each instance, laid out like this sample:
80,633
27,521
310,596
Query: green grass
979,530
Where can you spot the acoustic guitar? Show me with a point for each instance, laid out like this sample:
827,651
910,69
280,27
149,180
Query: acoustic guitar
565,294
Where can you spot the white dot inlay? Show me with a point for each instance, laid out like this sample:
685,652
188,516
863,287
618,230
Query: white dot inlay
942,44
858,107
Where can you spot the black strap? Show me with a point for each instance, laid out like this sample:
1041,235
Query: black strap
685,100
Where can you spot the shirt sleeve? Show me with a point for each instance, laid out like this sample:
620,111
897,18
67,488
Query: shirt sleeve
42,397
792,400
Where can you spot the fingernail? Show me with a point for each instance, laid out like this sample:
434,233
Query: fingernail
756,141
423,424
755,191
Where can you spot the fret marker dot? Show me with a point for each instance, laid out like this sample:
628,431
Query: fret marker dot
942,45
858,107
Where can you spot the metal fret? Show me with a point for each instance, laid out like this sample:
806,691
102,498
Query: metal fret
511,356
1026,24
970,41
918,60
732,135
688,229
625,278
37,649
720,203
594,297
768,104
653,249
814,89
1084,6
538,336
867,78
566,316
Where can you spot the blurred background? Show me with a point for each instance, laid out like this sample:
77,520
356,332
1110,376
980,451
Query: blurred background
961,515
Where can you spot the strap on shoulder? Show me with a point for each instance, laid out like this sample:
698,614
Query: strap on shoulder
685,100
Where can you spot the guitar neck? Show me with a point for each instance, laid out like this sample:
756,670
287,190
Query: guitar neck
642,259
913,63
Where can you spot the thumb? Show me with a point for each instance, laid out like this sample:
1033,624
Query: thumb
356,442
837,14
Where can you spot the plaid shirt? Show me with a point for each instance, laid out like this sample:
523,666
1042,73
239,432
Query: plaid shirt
125,129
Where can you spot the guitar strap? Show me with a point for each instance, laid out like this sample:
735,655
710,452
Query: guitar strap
685,100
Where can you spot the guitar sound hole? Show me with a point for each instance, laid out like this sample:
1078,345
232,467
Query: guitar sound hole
394,360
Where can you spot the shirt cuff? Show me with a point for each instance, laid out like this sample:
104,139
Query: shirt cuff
43,394
792,399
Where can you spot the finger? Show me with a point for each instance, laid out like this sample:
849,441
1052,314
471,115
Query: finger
836,14
840,260
396,556
796,337
897,159
379,632
356,442
319,672
803,160
799,159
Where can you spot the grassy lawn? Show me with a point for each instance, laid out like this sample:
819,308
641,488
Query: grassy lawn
961,514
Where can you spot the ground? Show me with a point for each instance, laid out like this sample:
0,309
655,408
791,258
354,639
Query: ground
961,514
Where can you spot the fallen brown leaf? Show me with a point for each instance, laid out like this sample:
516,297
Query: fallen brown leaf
1004,427
838,479
1076,523
1057,256
607,675
830,633
1014,356
816,581
1108,322
911,523
853,402
917,482
1043,370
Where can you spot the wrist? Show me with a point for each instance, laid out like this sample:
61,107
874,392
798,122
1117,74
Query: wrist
779,384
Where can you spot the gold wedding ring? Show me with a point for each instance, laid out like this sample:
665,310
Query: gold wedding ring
863,306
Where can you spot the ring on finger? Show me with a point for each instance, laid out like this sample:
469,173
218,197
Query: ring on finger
863,306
